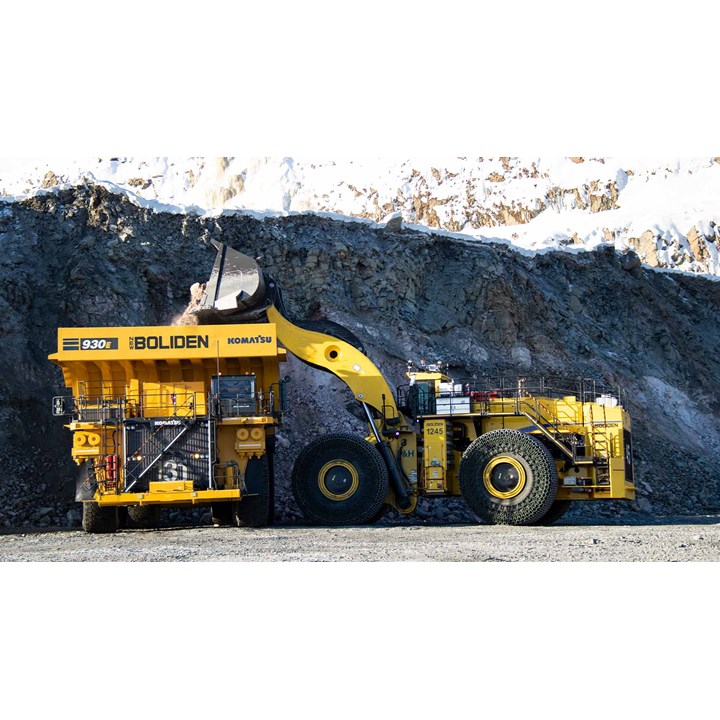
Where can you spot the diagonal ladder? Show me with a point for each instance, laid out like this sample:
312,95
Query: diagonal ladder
152,447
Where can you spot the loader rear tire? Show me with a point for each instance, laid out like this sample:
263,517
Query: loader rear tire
256,510
508,478
340,479
96,519
144,517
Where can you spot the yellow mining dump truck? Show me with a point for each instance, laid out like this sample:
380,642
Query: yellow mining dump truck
172,416
187,415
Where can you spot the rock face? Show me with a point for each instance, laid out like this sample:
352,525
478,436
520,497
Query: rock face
664,209
83,256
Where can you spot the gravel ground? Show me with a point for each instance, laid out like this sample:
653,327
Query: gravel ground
691,539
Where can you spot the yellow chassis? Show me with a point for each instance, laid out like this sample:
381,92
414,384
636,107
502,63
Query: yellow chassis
177,497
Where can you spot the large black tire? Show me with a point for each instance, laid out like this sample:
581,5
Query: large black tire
256,510
340,479
96,519
556,511
508,478
380,514
144,517
222,513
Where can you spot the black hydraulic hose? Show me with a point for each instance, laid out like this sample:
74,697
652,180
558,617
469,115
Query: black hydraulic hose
397,482
398,485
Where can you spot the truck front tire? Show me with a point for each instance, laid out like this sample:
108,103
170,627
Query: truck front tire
96,519
257,510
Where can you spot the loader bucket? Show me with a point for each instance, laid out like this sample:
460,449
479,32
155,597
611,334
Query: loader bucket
236,288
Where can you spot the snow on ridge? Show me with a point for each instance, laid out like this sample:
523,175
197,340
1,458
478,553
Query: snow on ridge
665,209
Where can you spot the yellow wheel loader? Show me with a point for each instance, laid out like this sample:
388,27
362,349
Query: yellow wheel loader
187,416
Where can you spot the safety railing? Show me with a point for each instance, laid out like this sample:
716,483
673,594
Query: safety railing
260,404
486,389
109,409
106,409
583,389
183,406
581,436
85,408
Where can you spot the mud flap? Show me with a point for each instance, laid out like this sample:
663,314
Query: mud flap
84,485
256,476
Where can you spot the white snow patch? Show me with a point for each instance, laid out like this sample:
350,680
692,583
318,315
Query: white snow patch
666,196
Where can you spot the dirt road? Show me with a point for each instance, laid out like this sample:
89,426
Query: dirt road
696,539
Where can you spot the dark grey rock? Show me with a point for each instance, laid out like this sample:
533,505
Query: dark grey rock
630,260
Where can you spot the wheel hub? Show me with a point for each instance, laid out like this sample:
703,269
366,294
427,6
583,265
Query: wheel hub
338,480
504,477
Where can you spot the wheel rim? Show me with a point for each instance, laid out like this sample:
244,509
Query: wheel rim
338,480
504,477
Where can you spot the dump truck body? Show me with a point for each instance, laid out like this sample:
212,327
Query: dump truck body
172,415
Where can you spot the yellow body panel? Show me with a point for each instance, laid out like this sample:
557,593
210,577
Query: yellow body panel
166,342
601,471
435,455
181,497
170,487
165,360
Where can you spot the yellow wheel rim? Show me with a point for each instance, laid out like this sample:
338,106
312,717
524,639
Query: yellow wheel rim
338,480
504,477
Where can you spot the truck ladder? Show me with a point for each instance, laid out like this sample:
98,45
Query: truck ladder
151,446
601,448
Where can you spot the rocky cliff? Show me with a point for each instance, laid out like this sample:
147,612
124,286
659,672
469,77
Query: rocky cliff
85,256
663,208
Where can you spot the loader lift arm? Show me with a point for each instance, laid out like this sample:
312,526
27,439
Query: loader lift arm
240,291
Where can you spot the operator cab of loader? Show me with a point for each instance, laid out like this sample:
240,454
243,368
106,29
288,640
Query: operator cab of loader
430,391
